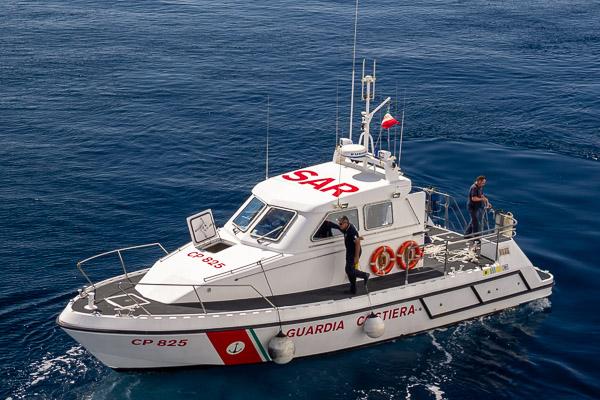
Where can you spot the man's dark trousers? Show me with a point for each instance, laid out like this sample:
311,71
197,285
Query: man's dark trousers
353,273
473,227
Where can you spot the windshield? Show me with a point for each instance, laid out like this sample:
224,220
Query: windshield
273,224
247,215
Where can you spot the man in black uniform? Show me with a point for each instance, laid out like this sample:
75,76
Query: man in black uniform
474,203
352,243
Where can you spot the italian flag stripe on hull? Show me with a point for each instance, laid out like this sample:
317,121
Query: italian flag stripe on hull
258,345
237,347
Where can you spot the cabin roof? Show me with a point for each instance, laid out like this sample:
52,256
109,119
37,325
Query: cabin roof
318,188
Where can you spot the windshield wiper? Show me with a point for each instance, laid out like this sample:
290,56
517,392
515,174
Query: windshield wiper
259,240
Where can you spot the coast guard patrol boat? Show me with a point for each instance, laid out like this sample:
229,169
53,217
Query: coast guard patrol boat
269,284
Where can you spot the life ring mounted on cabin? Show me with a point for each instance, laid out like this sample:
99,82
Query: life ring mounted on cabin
414,255
383,260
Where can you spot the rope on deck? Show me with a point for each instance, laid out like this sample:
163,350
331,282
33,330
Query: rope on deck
437,251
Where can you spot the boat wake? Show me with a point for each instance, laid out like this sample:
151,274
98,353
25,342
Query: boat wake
57,372
539,305
454,351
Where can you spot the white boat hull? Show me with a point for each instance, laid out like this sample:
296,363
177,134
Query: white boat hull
243,337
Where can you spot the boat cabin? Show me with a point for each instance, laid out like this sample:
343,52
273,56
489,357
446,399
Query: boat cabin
282,234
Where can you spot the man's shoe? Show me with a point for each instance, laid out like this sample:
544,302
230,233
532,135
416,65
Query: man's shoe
349,292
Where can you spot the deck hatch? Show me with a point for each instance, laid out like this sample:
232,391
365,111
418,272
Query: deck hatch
203,230
124,301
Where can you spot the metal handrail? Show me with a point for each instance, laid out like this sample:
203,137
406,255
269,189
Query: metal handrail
194,286
496,232
118,251
243,267
450,205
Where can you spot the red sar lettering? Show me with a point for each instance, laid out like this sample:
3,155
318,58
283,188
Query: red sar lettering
320,184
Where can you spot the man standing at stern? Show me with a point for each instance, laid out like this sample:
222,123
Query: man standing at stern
353,250
474,203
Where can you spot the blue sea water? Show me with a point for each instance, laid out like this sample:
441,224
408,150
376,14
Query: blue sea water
118,119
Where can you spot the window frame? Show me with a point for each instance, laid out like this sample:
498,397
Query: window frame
341,212
283,231
375,204
251,221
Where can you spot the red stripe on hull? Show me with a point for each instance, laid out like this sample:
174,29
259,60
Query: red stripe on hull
234,347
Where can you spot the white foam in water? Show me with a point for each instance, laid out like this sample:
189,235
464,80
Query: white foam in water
66,366
440,348
436,372
540,304
436,391
62,364
408,387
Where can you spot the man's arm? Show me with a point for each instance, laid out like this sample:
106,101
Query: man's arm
482,198
357,250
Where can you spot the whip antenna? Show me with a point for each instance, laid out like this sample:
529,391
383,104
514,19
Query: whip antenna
402,129
395,127
353,63
267,171
337,106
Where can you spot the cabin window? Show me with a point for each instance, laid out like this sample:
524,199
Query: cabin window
273,224
325,229
248,214
378,215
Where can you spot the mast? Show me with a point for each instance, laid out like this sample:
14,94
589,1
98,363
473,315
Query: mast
364,151
368,94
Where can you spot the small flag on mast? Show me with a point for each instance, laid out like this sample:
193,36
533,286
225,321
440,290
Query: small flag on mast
388,120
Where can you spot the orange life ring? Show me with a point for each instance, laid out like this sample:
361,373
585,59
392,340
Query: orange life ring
418,254
382,260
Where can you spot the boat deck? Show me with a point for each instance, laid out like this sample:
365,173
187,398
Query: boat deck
111,299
